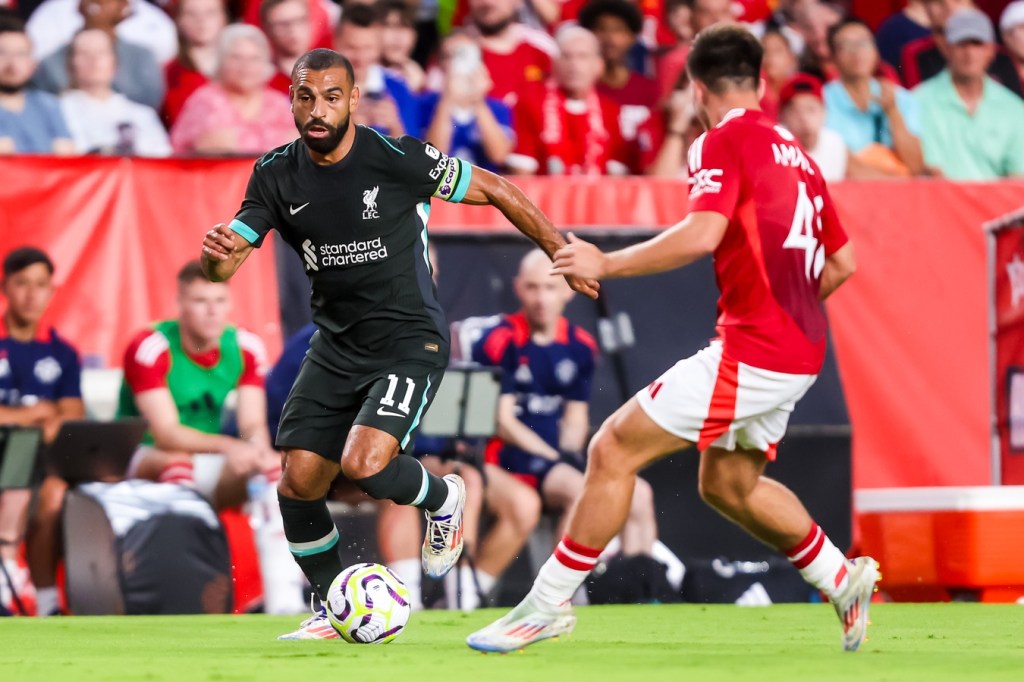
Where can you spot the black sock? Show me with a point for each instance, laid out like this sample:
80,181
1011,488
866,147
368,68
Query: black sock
405,481
312,540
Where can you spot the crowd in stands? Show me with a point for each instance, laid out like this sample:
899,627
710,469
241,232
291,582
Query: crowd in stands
547,87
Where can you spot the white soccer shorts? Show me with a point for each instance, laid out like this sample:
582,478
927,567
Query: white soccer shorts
712,400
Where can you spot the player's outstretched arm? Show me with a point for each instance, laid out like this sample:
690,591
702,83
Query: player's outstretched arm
224,251
838,268
487,188
697,235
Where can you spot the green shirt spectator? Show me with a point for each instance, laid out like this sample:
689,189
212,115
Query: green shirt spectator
971,126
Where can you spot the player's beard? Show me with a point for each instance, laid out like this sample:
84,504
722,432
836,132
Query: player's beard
496,27
328,143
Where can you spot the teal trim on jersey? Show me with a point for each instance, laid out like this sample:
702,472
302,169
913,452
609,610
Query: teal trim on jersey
388,142
316,546
423,211
424,486
248,234
276,154
465,175
419,414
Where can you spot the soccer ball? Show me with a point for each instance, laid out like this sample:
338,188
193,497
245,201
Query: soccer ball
368,604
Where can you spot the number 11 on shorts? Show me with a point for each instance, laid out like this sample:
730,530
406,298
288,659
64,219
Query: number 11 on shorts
389,398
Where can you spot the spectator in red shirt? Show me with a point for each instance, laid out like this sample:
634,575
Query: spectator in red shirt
565,126
617,25
286,23
199,24
515,55
925,58
679,18
236,113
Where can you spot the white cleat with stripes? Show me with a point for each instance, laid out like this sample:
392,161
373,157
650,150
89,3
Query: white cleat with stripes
852,603
523,626
316,626
442,545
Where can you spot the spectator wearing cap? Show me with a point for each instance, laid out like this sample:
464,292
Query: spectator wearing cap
103,121
877,119
1011,26
926,57
237,112
31,121
199,25
138,76
565,126
972,127
802,112
617,25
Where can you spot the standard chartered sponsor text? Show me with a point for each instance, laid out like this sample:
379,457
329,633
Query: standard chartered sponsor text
352,253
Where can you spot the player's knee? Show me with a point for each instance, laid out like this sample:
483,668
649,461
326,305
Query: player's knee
296,488
604,455
358,465
718,494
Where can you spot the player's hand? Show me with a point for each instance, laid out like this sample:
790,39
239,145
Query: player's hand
219,242
582,264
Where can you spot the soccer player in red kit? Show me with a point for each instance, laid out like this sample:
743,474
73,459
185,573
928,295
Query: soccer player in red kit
762,208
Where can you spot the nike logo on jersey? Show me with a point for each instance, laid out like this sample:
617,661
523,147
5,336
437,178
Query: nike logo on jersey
293,209
388,413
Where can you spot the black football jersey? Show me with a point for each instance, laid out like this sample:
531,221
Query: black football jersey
360,227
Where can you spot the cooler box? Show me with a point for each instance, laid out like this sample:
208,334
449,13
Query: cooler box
937,544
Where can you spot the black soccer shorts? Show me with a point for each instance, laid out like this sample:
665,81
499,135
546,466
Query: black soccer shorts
324,404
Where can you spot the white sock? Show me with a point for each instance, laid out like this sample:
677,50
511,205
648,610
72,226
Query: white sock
820,562
562,574
470,597
47,600
451,502
411,573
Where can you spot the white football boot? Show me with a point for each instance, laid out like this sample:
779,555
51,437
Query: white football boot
852,603
317,626
522,626
442,545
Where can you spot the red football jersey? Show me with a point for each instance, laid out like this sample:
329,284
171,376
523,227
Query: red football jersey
526,64
782,225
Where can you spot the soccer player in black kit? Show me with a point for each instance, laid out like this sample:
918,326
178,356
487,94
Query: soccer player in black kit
354,205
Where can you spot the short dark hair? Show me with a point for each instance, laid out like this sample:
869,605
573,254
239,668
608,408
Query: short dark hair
725,56
363,16
23,257
623,9
405,13
267,5
322,59
834,30
190,272
10,22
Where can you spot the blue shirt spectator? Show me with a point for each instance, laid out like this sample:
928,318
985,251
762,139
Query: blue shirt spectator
466,140
901,29
36,365
31,122
860,127
282,375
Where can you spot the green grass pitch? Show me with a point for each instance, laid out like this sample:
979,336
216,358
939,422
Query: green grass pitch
935,642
